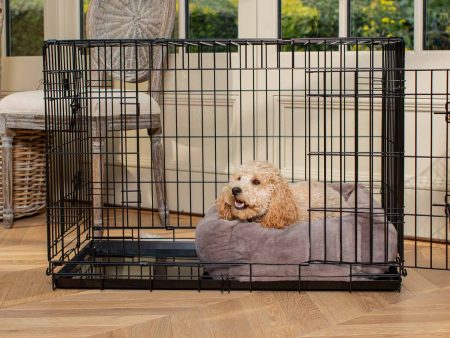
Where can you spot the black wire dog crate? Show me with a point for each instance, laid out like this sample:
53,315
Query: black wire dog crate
144,134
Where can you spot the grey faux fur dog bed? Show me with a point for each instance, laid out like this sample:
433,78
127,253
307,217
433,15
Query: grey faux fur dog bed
237,242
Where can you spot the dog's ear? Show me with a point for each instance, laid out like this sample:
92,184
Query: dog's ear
283,210
223,207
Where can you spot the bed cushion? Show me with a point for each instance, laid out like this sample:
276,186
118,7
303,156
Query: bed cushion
239,242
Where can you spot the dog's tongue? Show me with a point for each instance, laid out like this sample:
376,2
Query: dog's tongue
239,204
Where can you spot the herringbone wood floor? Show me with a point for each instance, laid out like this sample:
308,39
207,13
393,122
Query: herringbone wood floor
29,307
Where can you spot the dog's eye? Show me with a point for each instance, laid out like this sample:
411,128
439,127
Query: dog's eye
239,178
256,182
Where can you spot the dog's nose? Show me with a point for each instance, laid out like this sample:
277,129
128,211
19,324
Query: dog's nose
236,191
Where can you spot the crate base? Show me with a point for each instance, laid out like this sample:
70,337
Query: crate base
129,284
182,254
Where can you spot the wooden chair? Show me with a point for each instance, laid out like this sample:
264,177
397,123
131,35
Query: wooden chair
137,20
22,157
26,110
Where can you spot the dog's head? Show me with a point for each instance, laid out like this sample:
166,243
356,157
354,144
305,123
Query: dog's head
257,191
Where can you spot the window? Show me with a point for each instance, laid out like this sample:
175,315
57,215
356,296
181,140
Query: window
437,24
387,18
218,19
24,27
309,18
214,19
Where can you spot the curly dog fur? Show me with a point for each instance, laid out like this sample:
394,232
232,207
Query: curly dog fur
258,192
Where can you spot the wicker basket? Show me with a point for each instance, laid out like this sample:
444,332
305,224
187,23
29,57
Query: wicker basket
28,173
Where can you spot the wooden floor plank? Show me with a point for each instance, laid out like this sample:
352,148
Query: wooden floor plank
160,327
425,314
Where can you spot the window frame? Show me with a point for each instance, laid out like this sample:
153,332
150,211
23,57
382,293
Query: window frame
344,25
424,29
7,28
21,73
81,15
186,17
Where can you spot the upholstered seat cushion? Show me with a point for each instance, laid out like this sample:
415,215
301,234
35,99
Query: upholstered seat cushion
31,102
103,101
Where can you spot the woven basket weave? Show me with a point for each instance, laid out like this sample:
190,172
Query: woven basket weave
28,173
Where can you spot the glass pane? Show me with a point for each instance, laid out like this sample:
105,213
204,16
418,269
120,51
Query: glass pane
25,27
175,34
437,25
85,4
213,19
383,18
309,18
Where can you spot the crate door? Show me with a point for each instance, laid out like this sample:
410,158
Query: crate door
427,208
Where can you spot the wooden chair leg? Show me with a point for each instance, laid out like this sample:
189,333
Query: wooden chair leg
7,168
98,172
159,175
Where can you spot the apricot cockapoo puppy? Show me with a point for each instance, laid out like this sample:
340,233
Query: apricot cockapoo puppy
257,192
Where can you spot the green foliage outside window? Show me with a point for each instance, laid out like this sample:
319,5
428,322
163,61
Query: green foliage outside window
437,25
383,18
176,22
85,9
213,19
26,32
309,18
